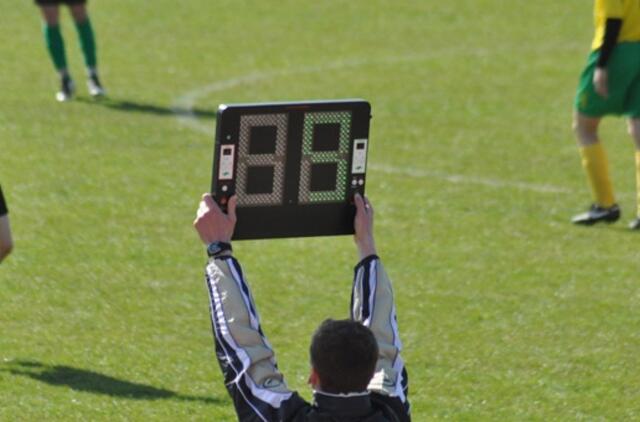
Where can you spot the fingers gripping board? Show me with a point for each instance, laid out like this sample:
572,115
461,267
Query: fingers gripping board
294,166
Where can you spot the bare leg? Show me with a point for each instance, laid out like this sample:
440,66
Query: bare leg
6,243
586,129
79,12
50,14
634,131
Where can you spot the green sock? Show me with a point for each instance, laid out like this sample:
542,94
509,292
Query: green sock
87,43
55,45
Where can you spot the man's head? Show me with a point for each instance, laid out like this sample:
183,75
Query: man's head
343,356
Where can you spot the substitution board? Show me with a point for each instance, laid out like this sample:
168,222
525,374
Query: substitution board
293,166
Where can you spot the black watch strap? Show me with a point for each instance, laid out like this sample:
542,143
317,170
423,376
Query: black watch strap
215,249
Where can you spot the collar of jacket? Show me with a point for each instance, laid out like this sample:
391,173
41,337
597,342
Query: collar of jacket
353,404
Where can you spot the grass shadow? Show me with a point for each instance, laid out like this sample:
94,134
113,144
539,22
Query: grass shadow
93,382
137,107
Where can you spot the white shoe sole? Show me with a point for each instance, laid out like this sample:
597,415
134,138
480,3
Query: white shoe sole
95,91
62,97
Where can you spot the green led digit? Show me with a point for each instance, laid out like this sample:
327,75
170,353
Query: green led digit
325,156
261,172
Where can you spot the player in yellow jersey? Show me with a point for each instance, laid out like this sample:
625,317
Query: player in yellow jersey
609,85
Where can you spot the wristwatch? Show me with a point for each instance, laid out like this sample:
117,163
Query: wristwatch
217,248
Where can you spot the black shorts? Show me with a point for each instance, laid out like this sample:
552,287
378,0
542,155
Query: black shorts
57,2
3,205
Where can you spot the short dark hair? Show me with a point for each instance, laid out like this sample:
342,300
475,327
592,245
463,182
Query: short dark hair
344,355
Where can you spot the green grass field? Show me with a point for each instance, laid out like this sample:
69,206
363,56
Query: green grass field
507,311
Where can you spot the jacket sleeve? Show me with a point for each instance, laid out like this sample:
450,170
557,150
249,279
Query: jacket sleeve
246,358
372,304
611,33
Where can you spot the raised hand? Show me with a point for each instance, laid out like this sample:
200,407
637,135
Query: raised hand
212,224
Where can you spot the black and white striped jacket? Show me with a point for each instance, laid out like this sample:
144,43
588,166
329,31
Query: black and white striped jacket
248,363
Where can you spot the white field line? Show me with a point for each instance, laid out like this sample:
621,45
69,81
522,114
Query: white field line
183,109
183,105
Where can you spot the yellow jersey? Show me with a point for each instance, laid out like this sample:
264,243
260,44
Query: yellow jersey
627,10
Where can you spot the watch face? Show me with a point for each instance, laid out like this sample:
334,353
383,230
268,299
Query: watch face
214,248
217,247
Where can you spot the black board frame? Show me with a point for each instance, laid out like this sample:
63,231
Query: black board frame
290,219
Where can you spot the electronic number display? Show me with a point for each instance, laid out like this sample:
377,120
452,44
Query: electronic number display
294,166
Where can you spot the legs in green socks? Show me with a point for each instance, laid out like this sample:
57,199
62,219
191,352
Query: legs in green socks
55,46
87,43
88,46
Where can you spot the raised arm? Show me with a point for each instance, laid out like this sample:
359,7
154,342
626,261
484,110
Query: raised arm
247,361
372,304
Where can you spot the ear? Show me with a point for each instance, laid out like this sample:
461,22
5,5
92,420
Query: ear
314,379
